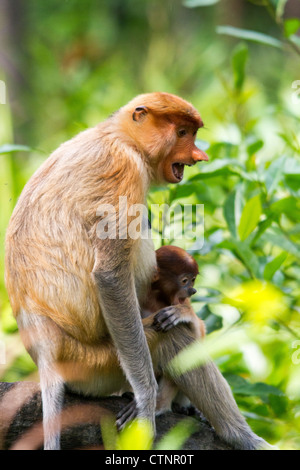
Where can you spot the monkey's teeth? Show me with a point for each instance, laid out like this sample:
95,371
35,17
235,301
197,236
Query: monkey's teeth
178,169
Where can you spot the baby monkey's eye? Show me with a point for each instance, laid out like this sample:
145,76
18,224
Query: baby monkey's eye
181,132
184,281
193,280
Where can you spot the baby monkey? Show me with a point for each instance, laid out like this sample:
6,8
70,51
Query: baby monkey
173,284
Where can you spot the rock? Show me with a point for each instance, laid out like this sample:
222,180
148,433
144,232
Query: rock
21,421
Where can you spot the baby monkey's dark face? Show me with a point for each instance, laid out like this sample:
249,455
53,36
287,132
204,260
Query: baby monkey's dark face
184,287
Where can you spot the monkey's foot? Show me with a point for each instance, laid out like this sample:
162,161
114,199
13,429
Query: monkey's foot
189,410
128,413
166,319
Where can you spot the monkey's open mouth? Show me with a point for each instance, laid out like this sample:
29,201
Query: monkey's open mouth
181,300
178,170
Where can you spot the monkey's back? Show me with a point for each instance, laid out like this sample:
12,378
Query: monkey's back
49,252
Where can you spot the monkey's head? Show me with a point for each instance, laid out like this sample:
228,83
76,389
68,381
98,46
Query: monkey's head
164,128
176,274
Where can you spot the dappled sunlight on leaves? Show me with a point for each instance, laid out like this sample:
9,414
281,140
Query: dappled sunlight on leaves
260,301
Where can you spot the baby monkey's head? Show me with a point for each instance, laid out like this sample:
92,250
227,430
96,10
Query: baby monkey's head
176,274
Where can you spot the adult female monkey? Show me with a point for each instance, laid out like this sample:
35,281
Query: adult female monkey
76,295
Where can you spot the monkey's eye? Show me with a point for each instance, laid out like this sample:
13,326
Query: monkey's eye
181,132
184,281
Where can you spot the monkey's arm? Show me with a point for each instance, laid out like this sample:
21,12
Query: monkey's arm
120,309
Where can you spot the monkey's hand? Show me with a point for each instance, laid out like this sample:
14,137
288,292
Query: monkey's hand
167,318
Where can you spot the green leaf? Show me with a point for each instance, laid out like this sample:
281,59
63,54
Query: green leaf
291,26
244,253
182,191
279,404
262,227
273,266
212,322
10,148
292,182
274,174
222,150
289,206
280,7
8,322
242,386
232,211
250,36
291,166
218,167
199,3
250,217
295,39
21,367
290,141
177,436
275,236
258,417
254,147
239,60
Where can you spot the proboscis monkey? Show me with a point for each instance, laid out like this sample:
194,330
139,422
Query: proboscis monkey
173,284
76,294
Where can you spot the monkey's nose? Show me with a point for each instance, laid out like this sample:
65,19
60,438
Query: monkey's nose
198,155
192,291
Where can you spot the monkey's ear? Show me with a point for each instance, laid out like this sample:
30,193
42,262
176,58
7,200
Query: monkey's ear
155,275
139,113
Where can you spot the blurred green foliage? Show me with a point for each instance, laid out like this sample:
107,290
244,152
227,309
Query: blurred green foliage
79,61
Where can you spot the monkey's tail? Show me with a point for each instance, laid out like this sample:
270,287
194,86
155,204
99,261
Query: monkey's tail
52,387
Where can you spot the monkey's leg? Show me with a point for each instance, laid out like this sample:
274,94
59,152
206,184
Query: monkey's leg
41,337
163,321
90,369
116,290
204,386
207,390
167,391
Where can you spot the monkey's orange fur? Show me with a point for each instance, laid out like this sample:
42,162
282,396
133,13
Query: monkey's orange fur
51,239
